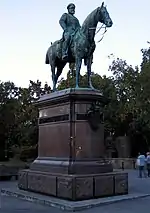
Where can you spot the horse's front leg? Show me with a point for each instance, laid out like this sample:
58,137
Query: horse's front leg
53,77
54,84
78,67
89,62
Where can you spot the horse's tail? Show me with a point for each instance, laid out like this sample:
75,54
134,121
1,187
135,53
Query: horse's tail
47,59
85,61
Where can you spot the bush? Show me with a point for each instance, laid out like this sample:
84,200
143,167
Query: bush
29,153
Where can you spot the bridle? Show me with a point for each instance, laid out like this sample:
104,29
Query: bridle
102,26
98,30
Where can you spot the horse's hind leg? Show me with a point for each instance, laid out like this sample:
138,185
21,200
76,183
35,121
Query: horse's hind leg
59,70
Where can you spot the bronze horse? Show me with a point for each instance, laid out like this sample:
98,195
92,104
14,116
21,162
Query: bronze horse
82,46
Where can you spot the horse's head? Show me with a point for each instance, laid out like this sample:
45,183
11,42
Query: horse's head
103,16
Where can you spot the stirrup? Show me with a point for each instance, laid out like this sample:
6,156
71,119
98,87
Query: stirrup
64,57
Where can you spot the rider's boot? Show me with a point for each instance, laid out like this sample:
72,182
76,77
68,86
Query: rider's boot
65,51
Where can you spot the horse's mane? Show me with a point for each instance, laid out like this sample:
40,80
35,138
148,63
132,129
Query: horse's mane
89,17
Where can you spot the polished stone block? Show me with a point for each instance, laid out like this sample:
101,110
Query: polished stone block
104,185
84,188
23,179
65,187
42,182
121,184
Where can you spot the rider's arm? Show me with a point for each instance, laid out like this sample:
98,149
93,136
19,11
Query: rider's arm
62,21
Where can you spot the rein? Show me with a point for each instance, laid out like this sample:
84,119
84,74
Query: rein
101,27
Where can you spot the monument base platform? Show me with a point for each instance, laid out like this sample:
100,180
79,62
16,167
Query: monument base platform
74,187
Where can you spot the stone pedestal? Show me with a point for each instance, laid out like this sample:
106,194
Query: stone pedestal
70,161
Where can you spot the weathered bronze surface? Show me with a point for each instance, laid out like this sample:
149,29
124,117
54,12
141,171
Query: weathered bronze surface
77,42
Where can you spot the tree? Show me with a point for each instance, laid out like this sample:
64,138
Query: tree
18,115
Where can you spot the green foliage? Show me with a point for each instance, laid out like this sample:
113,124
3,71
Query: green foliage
29,153
18,116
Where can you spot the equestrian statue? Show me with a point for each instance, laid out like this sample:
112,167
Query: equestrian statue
77,42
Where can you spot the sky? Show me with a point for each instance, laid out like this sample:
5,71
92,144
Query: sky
28,27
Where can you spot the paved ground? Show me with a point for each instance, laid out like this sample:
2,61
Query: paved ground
13,205
9,204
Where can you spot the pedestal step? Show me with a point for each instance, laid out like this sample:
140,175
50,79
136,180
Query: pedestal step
64,166
74,187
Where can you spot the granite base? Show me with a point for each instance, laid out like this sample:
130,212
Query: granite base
74,187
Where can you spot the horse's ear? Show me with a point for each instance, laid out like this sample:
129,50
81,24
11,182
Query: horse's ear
102,4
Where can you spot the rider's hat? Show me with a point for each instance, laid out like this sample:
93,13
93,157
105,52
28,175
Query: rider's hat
71,4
